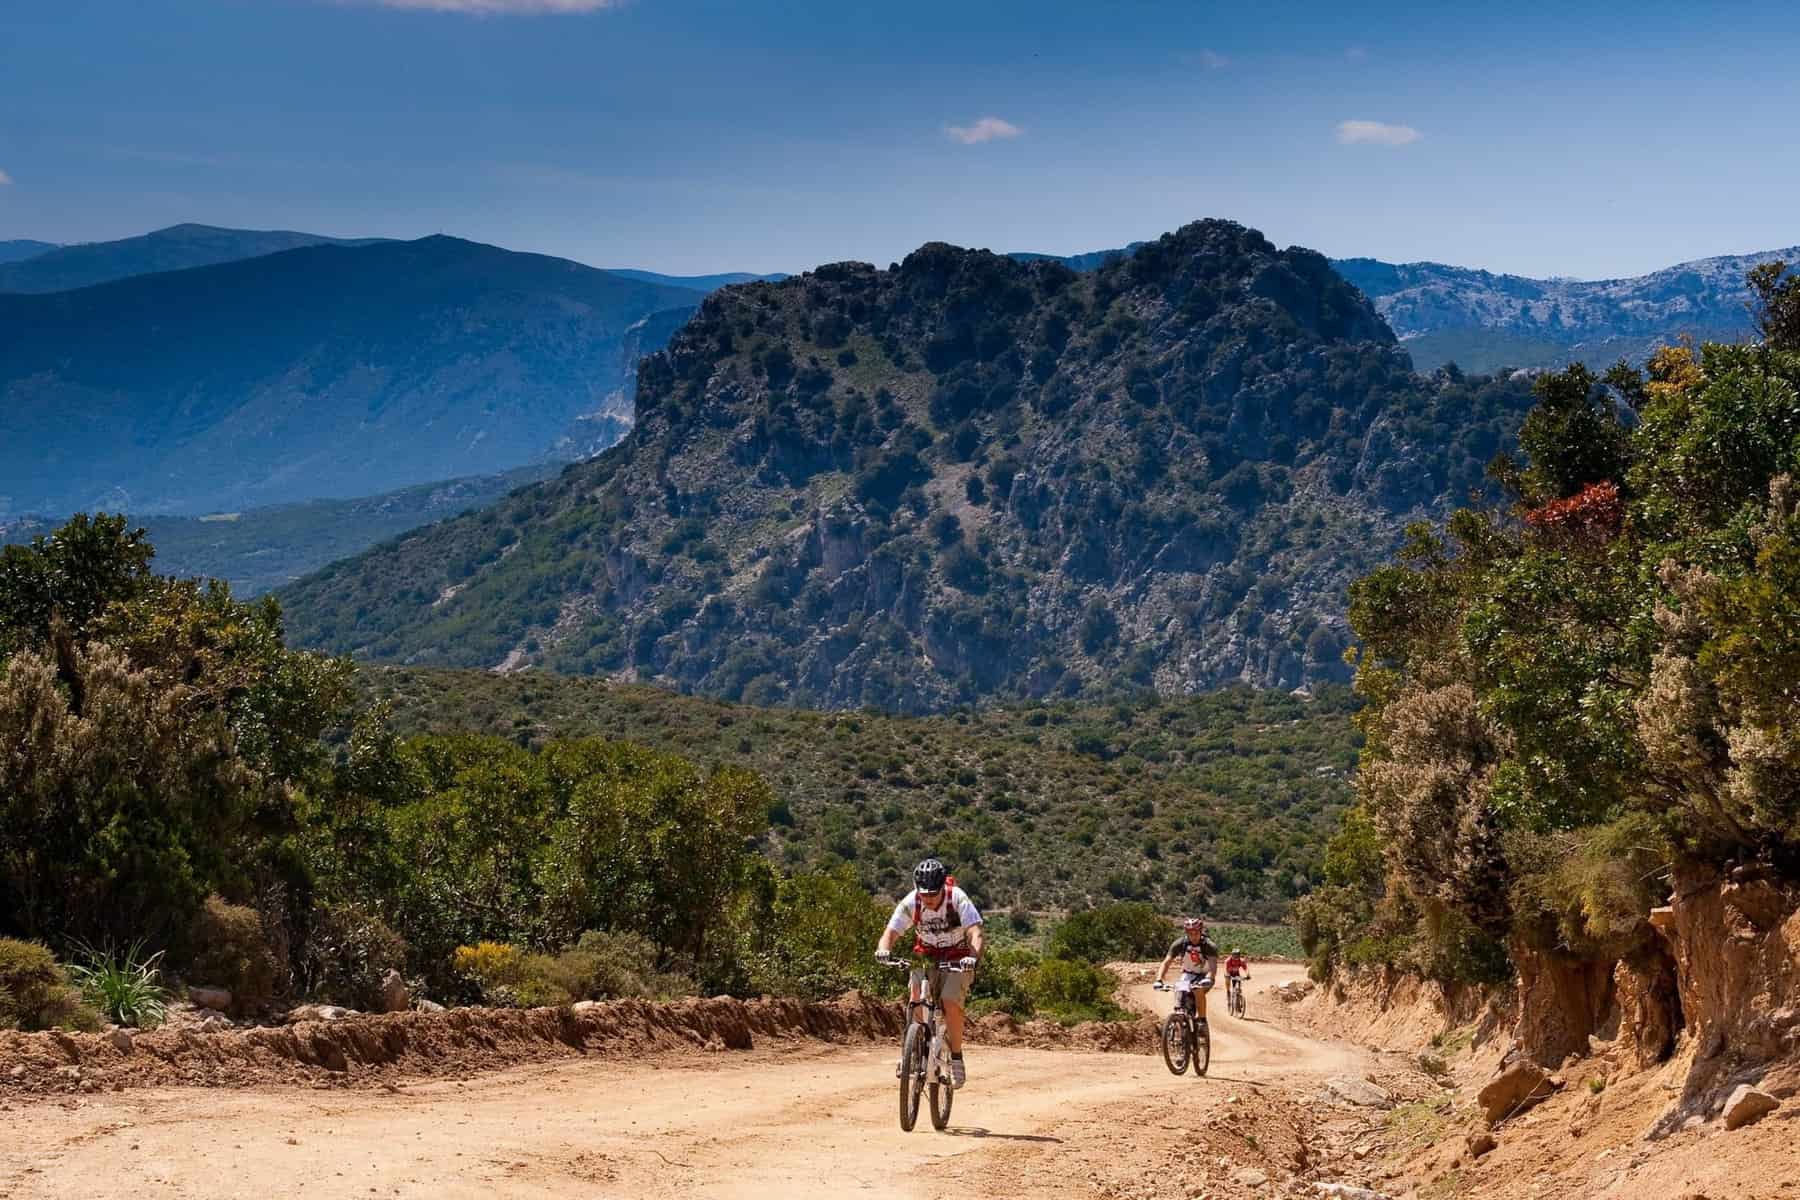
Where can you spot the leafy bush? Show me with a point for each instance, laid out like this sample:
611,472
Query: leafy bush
227,949
346,956
604,965
1073,990
1002,984
35,991
813,937
1130,930
600,966
1257,941
125,985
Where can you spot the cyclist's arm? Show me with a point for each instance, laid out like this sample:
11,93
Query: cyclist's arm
897,924
1163,971
969,917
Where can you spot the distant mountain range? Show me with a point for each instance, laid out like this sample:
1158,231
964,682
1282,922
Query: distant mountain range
327,370
960,479
1482,320
700,283
20,248
259,549
179,247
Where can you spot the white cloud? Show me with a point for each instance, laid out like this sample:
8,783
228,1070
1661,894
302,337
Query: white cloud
985,130
5,179
1212,60
496,8
1356,53
1375,133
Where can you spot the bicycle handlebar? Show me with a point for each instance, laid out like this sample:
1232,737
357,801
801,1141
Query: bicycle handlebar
900,962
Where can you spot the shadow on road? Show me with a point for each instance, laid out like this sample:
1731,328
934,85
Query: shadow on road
977,1131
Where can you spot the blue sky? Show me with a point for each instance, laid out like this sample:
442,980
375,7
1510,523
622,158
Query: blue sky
699,135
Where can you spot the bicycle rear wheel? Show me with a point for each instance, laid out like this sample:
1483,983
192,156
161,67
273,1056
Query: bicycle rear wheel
1175,1044
1202,1056
912,1076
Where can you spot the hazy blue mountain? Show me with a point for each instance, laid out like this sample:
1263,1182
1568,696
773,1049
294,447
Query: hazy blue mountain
23,248
1482,320
61,268
1090,261
700,283
262,548
317,372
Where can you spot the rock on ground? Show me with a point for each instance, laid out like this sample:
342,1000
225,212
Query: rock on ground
217,999
393,993
1747,1105
1357,1091
1347,1191
1516,1088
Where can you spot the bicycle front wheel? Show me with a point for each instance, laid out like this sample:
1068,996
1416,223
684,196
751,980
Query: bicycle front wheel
912,1076
1175,1043
941,1098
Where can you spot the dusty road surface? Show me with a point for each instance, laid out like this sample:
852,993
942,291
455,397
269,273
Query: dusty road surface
813,1120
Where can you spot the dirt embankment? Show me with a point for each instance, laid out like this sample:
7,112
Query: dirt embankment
1644,1063
461,1042
454,1043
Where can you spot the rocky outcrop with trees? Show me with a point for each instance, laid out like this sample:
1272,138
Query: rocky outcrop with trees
958,479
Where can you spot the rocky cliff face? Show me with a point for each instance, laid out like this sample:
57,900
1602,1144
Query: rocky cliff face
958,478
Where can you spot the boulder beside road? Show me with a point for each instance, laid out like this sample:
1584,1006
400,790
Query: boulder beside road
217,999
1747,1105
1517,1087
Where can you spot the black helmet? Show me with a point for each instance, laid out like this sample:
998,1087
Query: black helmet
929,875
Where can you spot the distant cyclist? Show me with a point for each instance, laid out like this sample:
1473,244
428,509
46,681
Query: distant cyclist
946,928
1199,957
1237,965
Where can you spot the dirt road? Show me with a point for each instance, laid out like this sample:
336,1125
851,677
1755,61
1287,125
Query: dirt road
816,1120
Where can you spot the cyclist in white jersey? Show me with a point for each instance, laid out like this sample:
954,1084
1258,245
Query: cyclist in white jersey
946,927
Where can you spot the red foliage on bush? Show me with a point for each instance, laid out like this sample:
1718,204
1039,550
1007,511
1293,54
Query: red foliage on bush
1596,511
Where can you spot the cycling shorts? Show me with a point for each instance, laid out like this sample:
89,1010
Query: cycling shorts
953,986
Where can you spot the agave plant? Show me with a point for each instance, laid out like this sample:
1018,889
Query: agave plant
125,984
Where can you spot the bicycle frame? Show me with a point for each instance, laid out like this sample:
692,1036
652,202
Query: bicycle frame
926,1067
937,1066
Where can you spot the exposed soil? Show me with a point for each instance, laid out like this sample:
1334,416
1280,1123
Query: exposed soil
722,1099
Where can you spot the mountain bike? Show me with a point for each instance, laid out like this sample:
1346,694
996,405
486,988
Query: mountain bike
925,1052
1185,1039
1234,995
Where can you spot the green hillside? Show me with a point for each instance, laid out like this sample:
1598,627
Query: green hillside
1040,806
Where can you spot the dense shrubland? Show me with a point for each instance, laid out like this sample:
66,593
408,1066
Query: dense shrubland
1576,699
1220,802
182,790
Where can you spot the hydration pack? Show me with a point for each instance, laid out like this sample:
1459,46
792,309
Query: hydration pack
954,918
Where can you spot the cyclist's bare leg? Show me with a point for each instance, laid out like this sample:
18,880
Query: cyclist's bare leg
953,1026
